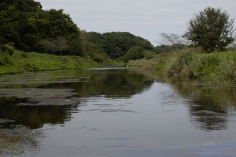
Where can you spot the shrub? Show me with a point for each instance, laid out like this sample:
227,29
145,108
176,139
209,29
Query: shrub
133,53
9,49
148,54
4,59
178,65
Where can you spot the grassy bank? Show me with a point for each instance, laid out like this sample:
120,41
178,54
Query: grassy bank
19,61
219,68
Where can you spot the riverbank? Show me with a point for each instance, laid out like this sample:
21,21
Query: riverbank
218,68
19,62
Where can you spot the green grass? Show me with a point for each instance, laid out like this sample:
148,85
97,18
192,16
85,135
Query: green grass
22,62
219,67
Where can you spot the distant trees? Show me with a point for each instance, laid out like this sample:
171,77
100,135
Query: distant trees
116,44
211,29
170,43
28,27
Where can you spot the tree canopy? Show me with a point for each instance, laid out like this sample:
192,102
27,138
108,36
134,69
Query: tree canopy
27,27
211,29
30,28
116,44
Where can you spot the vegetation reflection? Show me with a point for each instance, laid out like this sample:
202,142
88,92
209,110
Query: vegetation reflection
209,106
54,102
120,83
33,116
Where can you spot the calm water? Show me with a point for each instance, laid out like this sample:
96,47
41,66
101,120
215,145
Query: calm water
118,112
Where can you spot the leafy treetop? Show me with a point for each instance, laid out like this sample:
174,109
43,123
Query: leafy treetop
211,29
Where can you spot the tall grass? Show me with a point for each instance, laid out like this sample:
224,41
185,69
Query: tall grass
219,67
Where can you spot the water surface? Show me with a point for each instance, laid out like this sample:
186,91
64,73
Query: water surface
116,112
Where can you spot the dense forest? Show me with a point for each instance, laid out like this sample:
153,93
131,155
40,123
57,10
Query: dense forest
30,28
27,27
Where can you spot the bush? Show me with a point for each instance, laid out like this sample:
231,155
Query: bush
4,59
99,57
133,53
7,48
148,54
178,65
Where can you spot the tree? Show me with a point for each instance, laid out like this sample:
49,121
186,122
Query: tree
171,39
133,53
170,43
211,29
30,28
116,44
59,34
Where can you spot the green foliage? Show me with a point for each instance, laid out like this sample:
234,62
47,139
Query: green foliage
157,63
6,51
116,44
32,61
133,53
218,68
211,29
206,67
148,54
168,48
14,16
59,35
4,59
7,48
163,49
178,65
30,28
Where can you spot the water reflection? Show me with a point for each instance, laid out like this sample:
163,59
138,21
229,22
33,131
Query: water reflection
109,83
33,116
42,98
113,113
209,106
28,101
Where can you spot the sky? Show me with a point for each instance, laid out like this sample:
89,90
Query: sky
144,18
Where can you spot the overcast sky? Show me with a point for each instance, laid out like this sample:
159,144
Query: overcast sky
144,18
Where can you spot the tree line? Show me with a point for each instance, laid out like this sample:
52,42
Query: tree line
27,27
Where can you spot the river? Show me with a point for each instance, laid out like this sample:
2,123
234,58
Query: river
114,112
